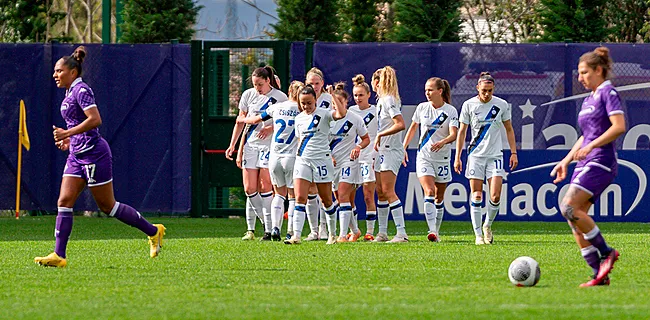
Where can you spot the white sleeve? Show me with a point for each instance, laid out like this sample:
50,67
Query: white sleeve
243,101
393,109
507,114
453,122
361,127
464,114
416,114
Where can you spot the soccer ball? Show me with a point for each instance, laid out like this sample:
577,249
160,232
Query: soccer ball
524,272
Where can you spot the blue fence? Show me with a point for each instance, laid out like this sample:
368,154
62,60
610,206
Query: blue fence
143,95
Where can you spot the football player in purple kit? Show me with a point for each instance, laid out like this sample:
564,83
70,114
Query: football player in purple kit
601,120
89,162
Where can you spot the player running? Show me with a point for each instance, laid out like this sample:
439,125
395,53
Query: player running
90,163
253,158
345,155
283,155
601,120
486,115
367,112
438,121
388,143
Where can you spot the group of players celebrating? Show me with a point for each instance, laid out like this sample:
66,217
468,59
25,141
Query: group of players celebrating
309,145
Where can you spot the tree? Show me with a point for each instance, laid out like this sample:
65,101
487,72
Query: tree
501,20
578,20
307,19
426,20
26,21
626,19
156,21
359,20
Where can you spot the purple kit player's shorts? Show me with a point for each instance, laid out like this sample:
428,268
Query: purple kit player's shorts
95,165
593,177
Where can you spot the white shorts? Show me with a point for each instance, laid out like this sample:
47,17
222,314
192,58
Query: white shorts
312,170
366,172
389,160
439,169
347,172
484,167
281,170
255,157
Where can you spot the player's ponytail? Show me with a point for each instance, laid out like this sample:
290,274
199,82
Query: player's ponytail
444,85
294,90
388,83
74,61
360,81
599,58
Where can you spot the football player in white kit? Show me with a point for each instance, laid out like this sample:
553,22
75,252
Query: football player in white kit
313,162
283,155
438,122
316,79
254,158
345,154
367,112
486,115
390,155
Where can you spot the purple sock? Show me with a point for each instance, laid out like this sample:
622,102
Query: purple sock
592,257
596,239
62,230
133,218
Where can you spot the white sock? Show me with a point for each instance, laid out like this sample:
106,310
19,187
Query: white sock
257,204
345,212
398,217
371,216
330,216
298,219
268,220
354,223
277,211
323,219
429,213
250,216
382,216
477,216
292,206
493,210
312,212
440,211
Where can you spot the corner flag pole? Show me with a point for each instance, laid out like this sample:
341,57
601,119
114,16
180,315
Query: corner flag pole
20,156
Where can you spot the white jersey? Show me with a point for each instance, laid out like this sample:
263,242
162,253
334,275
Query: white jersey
313,131
254,104
435,125
343,136
369,116
284,141
486,121
324,101
389,108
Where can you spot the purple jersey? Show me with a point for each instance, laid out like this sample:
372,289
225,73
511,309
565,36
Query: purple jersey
594,121
78,99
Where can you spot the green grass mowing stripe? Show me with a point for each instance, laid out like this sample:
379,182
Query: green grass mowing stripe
205,271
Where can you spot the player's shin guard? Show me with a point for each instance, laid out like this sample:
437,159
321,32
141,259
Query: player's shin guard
290,213
493,210
331,217
345,210
251,218
354,223
133,218
590,254
257,204
596,239
63,230
382,216
371,216
267,199
398,217
440,212
277,211
430,213
476,215
298,219
312,212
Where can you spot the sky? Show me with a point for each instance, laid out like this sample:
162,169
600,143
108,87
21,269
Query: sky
235,19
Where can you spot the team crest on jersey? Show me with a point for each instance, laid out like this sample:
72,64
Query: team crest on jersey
325,104
368,119
64,106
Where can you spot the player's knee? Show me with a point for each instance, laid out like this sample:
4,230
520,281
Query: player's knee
250,190
105,207
429,192
477,196
568,212
368,198
65,201
495,199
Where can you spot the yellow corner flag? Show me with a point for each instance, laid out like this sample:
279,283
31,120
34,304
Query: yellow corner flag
23,136
23,140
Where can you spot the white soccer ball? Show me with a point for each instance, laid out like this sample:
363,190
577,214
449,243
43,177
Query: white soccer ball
524,272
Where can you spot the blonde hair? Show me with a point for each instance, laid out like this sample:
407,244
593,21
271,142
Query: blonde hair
294,90
360,81
387,83
315,71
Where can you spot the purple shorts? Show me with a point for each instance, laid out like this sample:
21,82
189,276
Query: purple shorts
593,177
95,165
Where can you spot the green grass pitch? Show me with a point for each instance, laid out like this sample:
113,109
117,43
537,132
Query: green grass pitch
206,272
